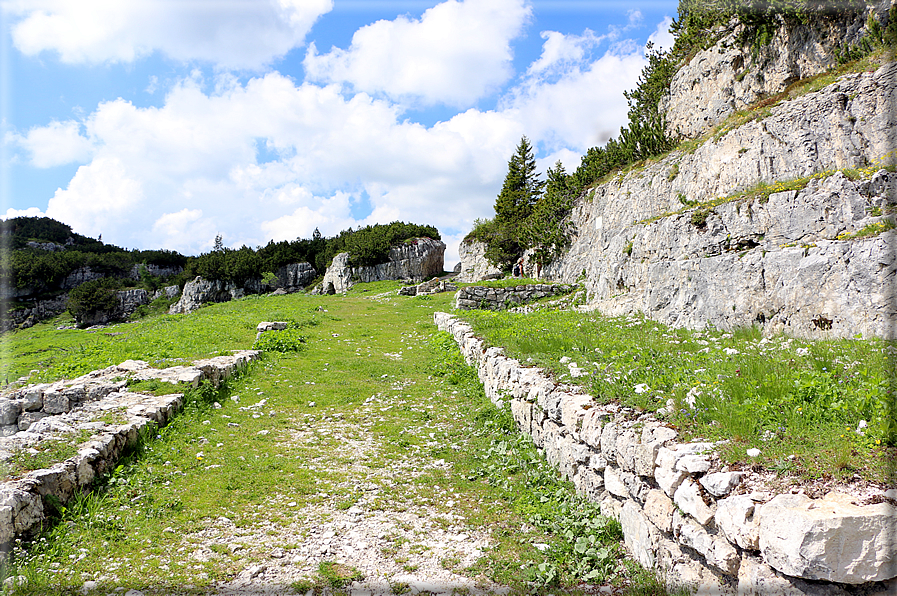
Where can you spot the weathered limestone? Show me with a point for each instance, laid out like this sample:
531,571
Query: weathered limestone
779,263
474,265
201,291
60,409
731,74
676,514
830,538
295,276
415,261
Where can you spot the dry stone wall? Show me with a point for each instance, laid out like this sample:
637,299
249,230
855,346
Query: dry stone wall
99,403
715,529
485,297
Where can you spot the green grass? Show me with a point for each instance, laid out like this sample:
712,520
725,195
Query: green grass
797,401
141,524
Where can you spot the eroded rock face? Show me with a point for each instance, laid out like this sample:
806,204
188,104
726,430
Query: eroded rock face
730,75
778,263
416,260
295,276
829,539
201,291
474,265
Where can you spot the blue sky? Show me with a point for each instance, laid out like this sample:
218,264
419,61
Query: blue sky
161,124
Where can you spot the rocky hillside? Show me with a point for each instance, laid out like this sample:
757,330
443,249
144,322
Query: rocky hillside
778,212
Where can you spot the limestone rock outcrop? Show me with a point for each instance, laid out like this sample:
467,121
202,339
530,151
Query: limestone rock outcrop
753,544
645,243
128,301
413,261
474,265
201,291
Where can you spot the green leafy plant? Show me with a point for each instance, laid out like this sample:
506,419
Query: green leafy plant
287,340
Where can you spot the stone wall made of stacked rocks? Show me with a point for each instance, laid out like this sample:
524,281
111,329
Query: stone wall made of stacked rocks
100,403
682,511
490,298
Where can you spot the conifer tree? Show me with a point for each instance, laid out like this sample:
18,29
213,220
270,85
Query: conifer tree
521,188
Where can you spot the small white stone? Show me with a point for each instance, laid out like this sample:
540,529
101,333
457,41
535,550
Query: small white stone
753,452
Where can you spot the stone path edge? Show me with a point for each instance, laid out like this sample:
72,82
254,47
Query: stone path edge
24,501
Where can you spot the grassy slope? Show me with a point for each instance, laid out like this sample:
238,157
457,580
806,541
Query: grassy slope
140,528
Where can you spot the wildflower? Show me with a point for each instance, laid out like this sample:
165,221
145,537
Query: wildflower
199,456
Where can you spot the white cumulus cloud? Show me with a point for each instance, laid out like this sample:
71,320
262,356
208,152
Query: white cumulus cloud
56,144
662,38
456,53
101,195
233,34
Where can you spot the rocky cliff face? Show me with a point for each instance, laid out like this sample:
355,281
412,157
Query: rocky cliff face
295,276
413,261
200,291
730,75
474,265
786,264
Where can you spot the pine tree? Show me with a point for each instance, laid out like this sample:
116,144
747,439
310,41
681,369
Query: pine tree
521,188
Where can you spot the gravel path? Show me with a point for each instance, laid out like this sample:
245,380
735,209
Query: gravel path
397,541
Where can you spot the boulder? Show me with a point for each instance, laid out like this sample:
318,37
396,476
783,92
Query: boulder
201,291
830,539
474,266
415,260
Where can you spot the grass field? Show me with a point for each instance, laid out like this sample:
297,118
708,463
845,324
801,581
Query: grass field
371,371
815,409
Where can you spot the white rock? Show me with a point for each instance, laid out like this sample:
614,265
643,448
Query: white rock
613,484
829,539
693,464
688,498
720,484
735,518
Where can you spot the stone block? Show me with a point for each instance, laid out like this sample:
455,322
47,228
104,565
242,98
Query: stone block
27,508
659,510
609,441
57,480
33,399
638,533
29,418
689,499
8,430
626,445
56,403
589,484
645,456
522,412
669,479
573,410
592,423
613,483
756,578
735,519
9,411
693,464
829,539
720,484
716,550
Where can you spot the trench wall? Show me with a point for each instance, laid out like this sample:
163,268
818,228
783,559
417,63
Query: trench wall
681,510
